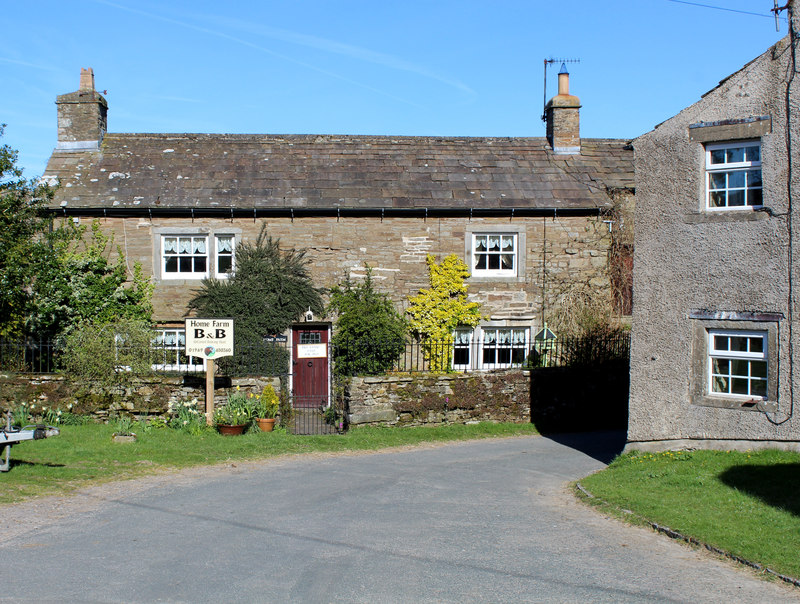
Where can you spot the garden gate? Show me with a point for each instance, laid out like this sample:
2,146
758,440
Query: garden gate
311,380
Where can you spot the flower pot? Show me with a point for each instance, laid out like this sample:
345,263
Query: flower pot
266,424
231,430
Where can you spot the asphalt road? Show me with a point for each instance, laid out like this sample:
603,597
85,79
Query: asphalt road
486,521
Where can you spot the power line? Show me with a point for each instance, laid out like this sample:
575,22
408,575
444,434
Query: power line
730,10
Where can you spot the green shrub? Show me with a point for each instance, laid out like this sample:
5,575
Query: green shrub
370,333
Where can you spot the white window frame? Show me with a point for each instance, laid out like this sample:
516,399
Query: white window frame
491,272
744,170
464,339
752,359
473,343
499,347
173,352
212,254
218,254
191,255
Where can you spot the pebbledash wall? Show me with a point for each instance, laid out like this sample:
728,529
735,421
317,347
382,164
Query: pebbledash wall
572,249
701,270
385,400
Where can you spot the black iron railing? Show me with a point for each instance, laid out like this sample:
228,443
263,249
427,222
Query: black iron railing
268,358
362,357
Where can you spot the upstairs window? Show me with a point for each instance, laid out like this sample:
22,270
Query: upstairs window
733,176
737,363
225,256
494,254
185,257
192,257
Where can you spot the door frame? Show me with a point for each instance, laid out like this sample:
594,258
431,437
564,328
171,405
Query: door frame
293,350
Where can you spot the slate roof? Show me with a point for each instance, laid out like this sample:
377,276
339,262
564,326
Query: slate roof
206,171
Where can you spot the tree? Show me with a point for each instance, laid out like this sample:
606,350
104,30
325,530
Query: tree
370,333
51,278
23,220
437,311
109,356
267,291
76,283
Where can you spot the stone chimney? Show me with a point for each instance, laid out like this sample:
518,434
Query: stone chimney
562,115
81,116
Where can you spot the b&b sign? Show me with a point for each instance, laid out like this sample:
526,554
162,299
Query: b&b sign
209,338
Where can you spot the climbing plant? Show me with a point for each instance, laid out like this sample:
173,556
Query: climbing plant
436,311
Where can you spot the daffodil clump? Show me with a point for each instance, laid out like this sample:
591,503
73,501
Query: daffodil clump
27,413
185,415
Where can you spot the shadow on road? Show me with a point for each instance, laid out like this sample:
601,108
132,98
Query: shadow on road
602,446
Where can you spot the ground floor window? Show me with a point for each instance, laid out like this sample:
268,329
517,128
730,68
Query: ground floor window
169,346
504,347
490,347
737,363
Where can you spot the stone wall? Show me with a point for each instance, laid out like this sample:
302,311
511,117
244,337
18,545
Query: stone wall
436,399
574,249
386,400
149,397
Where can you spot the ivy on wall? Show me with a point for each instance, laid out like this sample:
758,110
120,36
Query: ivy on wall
436,311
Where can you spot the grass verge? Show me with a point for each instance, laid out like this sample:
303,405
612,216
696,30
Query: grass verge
746,504
82,455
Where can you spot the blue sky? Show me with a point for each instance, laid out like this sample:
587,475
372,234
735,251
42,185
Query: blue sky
395,67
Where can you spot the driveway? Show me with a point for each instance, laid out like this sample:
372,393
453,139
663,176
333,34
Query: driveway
483,521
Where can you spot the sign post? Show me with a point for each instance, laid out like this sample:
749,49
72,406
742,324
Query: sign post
209,339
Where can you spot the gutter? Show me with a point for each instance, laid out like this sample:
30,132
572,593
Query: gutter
255,213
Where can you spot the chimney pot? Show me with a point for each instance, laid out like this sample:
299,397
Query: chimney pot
87,79
81,116
562,115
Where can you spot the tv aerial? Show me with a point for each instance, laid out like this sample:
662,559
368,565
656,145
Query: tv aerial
547,63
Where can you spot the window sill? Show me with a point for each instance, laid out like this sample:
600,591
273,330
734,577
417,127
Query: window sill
483,278
716,216
738,403
183,278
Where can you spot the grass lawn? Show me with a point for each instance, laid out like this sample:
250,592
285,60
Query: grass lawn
747,504
82,455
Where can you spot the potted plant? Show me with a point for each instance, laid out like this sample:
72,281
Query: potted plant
233,416
265,408
124,430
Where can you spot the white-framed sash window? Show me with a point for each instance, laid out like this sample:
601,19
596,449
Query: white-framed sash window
490,347
224,247
494,254
737,363
733,176
169,351
197,256
184,257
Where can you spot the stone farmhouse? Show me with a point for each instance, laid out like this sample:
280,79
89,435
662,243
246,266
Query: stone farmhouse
714,350
531,217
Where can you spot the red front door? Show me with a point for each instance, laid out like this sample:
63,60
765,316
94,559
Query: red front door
310,366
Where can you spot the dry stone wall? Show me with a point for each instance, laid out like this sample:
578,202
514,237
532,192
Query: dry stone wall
147,397
436,399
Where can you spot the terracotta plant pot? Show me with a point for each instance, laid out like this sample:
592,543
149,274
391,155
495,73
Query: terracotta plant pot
266,424
231,430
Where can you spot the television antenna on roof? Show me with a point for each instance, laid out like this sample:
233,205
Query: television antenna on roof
548,62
